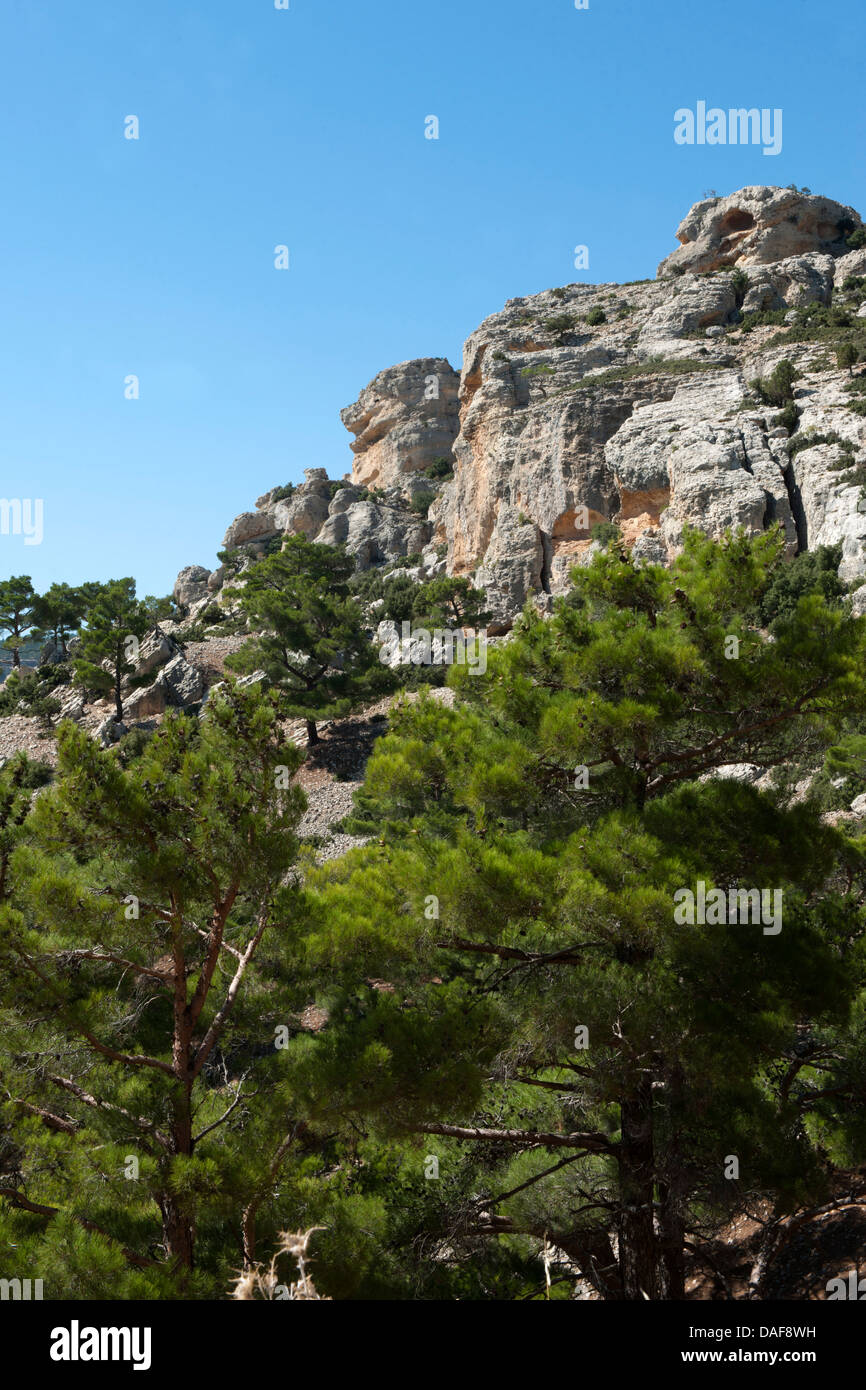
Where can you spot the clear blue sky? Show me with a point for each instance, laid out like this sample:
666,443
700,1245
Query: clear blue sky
306,127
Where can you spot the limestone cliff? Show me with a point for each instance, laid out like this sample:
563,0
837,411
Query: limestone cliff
633,404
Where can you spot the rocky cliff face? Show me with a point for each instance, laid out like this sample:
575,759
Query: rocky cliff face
632,404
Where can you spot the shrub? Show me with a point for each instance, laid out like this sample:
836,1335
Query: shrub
281,494
739,284
813,572
857,239
846,355
778,387
605,532
596,316
789,417
421,502
559,325
439,468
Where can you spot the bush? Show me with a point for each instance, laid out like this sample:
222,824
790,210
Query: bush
605,532
439,468
813,572
559,325
131,746
739,284
596,316
789,417
857,239
421,502
846,355
281,494
778,387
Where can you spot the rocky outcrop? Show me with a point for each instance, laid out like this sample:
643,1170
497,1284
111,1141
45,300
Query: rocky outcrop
179,685
190,586
627,404
403,421
756,226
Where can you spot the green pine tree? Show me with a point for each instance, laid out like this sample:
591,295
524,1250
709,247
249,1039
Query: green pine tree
59,612
590,1072
17,600
107,646
145,933
309,635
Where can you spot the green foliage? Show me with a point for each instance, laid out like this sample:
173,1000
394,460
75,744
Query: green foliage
17,611
846,355
811,572
739,282
439,470
759,318
59,612
450,601
130,897
789,417
308,633
652,366
605,532
115,621
422,501
160,608
778,387
596,316
559,325
29,693
551,908
857,239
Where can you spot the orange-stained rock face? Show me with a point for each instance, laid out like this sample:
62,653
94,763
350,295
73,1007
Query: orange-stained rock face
633,404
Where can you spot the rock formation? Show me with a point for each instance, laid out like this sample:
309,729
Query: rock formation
632,404
757,226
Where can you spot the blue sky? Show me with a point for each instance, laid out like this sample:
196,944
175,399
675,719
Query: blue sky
305,127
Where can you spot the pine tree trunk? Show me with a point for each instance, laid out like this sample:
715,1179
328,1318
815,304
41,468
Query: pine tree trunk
178,1226
312,733
673,1242
178,1233
16,657
638,1252
672,1196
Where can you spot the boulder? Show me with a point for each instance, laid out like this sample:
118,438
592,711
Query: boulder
182,682
249,527
110,731
190,585
758,225
155,650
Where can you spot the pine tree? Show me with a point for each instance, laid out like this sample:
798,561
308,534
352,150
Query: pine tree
116,620
309,631
144,929
451,601
17,599
596,1073
59,612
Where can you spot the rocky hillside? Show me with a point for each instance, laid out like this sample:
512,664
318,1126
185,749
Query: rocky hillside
639,404
646,406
